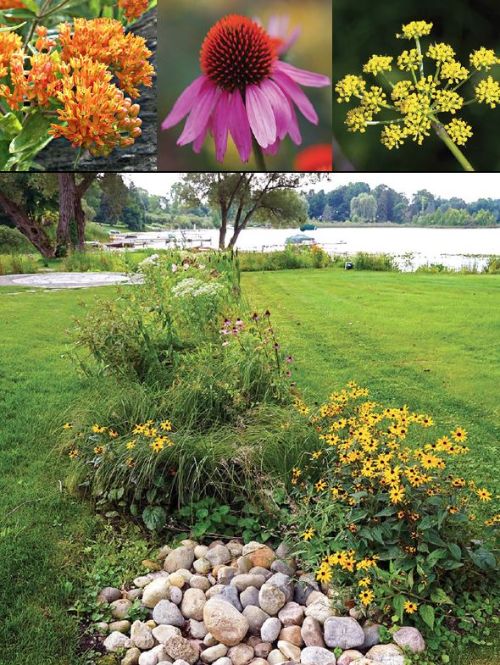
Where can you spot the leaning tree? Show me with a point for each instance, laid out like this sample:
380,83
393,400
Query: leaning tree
239,198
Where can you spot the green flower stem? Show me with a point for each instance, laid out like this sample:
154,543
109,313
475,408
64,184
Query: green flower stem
419,49
259,157
452,147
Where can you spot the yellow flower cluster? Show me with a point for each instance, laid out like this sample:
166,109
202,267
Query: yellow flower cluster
153,435
418,101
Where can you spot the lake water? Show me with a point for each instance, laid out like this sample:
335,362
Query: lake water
454,248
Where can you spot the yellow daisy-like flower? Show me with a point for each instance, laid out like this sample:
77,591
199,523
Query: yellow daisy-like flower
440,52
308,534
130,462
393,136
157,445
131,444
410,607
67,426
397,494
112,434
166,426
378,63
488,92
98,429
366,597
324,575
415,29
459,434
458,482
483,494
320,485
73,453
409,61
459,131
98,450
483,58
364,582
316,454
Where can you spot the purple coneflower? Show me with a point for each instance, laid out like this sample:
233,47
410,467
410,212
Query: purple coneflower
245,90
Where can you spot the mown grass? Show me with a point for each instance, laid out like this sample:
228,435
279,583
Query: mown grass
43,531
428,341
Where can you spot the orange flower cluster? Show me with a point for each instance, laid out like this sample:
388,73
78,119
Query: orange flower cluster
104,40
73,77
11,4
133,8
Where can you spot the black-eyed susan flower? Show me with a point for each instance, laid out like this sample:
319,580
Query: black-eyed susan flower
98,429
410,607
320,485
366,596
459,434
308,534
131,444
99,450
483,494
67,426
73,453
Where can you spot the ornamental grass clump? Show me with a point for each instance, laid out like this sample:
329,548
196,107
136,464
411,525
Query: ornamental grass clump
384,515
427,93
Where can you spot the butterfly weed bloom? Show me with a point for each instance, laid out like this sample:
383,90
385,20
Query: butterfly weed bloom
415,105
133,9
245,90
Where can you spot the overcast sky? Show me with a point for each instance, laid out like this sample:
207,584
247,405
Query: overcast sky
468,186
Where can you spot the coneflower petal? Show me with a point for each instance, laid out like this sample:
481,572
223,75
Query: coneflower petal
280,106
221,124
184,104
302,76
260,116
197,119
239,126
295,93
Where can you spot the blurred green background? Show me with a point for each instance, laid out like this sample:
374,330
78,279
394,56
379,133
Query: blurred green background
364,28
182,26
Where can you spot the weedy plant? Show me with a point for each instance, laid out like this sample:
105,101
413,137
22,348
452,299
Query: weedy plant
53,68
384,516
418,102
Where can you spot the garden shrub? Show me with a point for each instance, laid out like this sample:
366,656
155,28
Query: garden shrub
377,262
18,264
292,257
12,241
384,515
493,265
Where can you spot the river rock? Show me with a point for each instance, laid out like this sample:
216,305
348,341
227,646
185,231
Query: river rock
120,608
200,551
263,649
275,657
122,626
250,596
283,583
181,557
155,591
372,635
292,614
109,594
202,566
211,654
317,656
141,636
153,656
116,640
255,617
164,632
409,638
224,621
343,632
312,633
270,629
245,580
230,594
349,656
199,582
197,629
178,648
218,555
289,650
241,654
271,599
262,556
168,613
193,603
292,634
131,657
388,654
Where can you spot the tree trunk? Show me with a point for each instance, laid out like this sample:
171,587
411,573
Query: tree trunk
67,194
28,227
223,227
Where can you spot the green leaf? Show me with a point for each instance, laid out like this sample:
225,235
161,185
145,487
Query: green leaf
398,605
10,126
434,538
483,559
455,551
154,517
434,557
34,135
427,614
441,597
386,512
4,154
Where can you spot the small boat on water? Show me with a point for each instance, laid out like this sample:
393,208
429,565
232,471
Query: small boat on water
300,239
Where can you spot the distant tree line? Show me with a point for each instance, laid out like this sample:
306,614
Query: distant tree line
358,202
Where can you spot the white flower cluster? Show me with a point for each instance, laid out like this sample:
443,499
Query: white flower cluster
193,287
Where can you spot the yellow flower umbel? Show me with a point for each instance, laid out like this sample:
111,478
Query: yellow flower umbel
418,102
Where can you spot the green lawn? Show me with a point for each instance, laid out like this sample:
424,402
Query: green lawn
427,340
42,529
